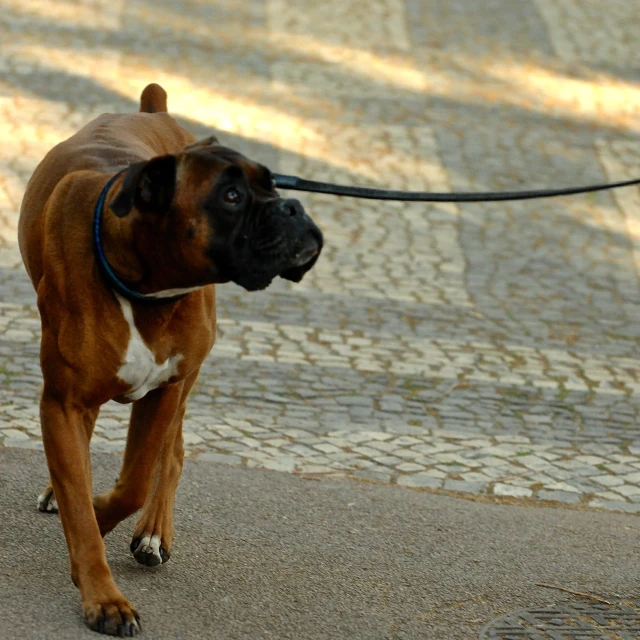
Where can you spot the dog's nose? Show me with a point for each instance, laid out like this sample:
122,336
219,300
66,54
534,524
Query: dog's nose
291,207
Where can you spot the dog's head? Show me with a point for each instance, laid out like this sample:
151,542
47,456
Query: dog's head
219,217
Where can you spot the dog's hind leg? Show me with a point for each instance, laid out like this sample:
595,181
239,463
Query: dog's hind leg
47,502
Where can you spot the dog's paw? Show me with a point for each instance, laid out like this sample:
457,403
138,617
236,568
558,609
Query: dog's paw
47,501
117,618
148,550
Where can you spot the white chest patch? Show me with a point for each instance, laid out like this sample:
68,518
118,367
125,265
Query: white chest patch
139,368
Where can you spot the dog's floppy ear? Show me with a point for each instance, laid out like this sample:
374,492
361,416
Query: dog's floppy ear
148,186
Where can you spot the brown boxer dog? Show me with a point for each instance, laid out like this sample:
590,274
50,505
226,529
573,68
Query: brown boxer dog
124,229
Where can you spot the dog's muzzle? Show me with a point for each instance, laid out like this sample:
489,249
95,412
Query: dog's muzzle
304,242
284,242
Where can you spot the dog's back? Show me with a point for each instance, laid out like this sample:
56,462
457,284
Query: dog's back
106,145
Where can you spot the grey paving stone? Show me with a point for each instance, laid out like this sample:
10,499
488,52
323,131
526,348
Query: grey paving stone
615,506
500,489
219,457
464,486
559,496
419,480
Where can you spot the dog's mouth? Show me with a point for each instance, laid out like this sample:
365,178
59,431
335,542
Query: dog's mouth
305,255
258,272
309,249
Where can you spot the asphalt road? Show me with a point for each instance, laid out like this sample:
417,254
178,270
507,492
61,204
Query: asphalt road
261,554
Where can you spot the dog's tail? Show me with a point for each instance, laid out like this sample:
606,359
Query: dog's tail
153,99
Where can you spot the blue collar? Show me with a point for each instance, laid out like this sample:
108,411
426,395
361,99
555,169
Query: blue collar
114,282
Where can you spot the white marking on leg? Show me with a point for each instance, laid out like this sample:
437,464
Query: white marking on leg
150,544
48,504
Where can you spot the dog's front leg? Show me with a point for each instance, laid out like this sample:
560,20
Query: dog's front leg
67,448
153,534
150,473
46,500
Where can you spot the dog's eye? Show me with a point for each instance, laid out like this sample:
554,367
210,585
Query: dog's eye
232,196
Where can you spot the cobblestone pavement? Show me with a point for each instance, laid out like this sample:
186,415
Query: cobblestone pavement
488,349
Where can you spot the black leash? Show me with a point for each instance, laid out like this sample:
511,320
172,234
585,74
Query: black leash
300,184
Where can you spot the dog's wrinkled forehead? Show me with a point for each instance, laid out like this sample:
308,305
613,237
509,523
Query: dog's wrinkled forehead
210,153
152,186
